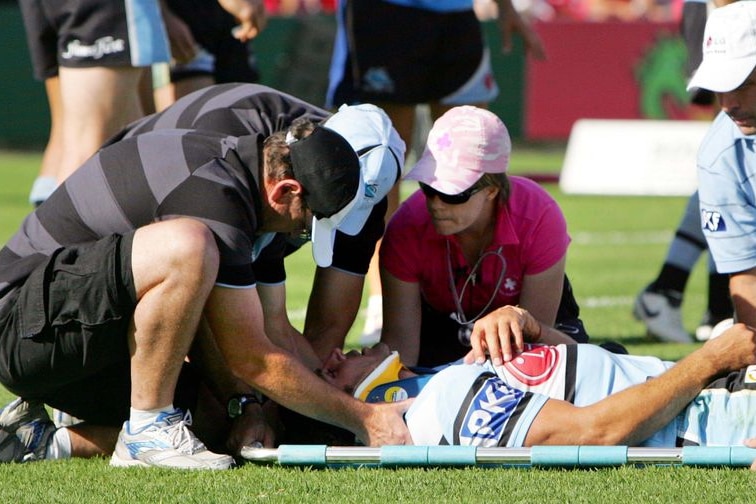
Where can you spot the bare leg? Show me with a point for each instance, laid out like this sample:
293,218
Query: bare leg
47,178
96,103
166,95
92,440
174,264
54,147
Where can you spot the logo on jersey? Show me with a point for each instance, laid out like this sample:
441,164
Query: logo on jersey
394,394
101,47
534,366
750,375
510,284
378,80
488,413
712,221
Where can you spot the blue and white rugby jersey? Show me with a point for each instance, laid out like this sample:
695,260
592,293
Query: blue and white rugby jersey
486,406
727,195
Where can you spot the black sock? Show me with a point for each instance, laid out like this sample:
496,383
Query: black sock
671,278
720,304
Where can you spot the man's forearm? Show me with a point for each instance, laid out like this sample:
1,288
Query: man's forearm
743,293
286,381
332,309
634,414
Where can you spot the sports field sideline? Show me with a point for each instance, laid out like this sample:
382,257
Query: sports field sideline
618,245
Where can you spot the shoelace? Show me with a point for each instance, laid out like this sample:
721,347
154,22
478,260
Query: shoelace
178,434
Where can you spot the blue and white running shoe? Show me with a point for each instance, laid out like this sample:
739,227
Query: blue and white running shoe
31,424
167,442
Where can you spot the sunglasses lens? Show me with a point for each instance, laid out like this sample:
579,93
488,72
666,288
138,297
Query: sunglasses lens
449,199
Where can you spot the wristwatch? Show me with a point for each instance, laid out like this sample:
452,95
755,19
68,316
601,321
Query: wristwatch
237,403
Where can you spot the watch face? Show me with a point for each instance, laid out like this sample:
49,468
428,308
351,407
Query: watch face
234,407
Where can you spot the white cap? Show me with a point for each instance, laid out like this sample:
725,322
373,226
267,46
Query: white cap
729,48
380,150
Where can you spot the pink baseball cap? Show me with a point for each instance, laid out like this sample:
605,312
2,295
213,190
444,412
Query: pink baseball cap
463,144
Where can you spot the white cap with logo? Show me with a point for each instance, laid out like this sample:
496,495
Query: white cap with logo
380,150
729,48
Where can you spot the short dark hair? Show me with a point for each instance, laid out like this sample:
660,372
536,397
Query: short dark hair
276,150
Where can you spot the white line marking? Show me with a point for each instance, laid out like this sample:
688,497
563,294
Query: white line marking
621,237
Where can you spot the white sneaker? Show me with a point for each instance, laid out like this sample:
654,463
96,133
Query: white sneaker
705,330
721,327
167,442
660,312
30,423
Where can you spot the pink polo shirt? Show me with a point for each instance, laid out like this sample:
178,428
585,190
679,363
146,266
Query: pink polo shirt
530,234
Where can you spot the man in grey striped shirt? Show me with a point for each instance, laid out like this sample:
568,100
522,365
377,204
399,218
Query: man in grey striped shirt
243,109
145,255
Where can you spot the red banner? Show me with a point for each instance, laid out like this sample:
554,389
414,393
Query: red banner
612,70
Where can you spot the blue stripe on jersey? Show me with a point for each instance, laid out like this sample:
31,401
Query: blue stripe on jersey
148,41
488,408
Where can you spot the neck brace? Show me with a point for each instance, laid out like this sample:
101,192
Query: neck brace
386,371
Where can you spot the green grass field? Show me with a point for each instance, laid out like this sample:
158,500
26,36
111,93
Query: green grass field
618,246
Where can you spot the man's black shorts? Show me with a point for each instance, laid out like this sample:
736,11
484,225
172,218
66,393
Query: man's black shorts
93,33
64,339
406,55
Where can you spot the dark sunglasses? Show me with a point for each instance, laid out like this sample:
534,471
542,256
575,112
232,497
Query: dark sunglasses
450,199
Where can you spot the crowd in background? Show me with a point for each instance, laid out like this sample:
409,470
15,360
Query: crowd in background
541,10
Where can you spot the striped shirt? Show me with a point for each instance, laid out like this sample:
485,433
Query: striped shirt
233,109
141,180
243,109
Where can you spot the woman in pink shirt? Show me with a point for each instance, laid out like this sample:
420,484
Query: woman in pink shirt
465,256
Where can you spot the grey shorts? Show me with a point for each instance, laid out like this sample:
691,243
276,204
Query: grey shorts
93,33
64,332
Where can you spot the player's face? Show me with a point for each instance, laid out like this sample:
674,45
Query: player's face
345,371
449,219
740,105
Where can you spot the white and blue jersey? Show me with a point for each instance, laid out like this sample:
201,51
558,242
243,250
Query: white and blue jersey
727,192
485,406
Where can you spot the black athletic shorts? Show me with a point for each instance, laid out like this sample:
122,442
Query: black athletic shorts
64,339
406,55
93,33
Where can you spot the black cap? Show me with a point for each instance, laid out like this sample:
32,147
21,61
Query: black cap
328,169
